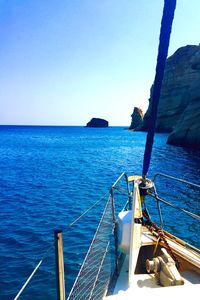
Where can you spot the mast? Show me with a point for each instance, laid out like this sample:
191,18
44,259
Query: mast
165,32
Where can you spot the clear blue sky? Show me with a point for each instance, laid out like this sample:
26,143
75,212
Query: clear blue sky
64,62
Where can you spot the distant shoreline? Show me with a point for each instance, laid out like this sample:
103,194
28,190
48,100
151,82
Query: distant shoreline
10,125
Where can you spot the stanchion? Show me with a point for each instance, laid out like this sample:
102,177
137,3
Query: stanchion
59,265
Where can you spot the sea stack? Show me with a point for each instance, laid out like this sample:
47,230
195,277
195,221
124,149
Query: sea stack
137,118
97,122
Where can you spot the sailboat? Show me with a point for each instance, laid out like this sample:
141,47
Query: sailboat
131,255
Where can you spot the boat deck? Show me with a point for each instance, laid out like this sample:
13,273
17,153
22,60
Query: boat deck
146,285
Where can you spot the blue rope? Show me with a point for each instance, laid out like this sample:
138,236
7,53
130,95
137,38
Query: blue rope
165,31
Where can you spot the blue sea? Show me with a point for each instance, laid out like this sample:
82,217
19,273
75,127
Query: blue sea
51,175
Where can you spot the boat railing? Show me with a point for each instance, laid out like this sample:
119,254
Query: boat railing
180,195
56,245
100,264
178,191
176,179
155,194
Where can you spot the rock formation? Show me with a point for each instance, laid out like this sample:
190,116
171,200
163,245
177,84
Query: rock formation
179,106
96,122
137,118
186,132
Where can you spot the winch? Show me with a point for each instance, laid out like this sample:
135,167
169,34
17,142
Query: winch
165,269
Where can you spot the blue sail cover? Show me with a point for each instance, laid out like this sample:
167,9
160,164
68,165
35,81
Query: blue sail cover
165,31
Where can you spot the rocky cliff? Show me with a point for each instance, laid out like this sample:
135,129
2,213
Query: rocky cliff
179,106
137,118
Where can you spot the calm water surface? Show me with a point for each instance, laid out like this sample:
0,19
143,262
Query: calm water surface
50,175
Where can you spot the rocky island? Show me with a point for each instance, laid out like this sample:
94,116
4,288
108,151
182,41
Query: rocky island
97,122
137,118
179,106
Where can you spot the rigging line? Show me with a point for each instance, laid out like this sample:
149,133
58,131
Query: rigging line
165,31
89,250
100,267
34,271
194,216
176,179
45,255
159,208
87,210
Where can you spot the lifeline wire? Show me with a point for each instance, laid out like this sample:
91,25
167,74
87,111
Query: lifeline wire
46,253
85,212
194,216
34,271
